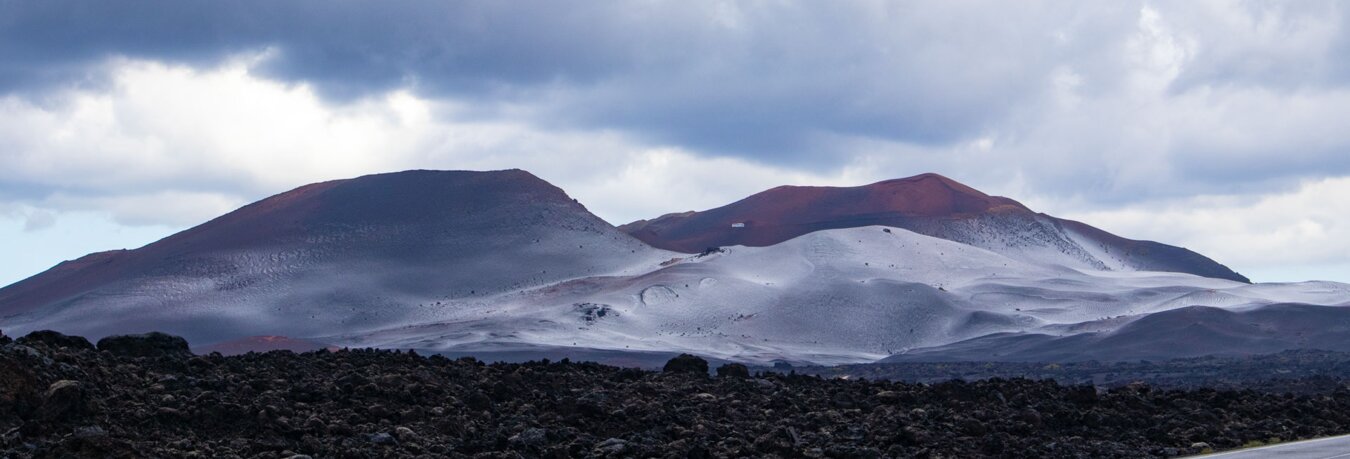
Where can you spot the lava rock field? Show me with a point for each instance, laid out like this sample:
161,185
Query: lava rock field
145,396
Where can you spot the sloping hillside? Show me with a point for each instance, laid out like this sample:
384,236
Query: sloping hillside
337,256
928,204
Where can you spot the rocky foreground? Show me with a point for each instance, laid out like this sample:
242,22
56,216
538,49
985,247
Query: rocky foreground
147,396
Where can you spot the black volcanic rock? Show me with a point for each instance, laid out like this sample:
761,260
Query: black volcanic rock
153,344
55,339
361,403
63,398
685,363
733,370
928,204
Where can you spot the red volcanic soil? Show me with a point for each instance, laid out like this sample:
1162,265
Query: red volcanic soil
264,344
786,212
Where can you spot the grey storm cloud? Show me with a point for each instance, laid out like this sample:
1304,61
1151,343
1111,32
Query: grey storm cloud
729,78
774,82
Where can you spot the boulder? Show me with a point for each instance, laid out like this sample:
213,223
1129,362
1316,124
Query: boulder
404,434
686,363
20,388
54,339
63,398
153,344
733,370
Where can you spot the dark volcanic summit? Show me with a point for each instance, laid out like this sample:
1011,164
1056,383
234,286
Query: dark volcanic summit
928,204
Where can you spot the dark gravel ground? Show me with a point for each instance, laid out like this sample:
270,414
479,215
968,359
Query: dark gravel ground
148,397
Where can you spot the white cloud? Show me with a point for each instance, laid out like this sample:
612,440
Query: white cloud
162,125
1306,226
653,182
176,145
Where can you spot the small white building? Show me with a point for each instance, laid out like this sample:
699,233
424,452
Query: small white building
738,225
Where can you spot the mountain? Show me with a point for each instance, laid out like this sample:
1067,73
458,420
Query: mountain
344,255
832,296
505,265
928,204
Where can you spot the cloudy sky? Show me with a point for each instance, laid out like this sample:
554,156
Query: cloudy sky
1223,127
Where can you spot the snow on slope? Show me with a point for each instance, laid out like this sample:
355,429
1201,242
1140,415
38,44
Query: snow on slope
844,295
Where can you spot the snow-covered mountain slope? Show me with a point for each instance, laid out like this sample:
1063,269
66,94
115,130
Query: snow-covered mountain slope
927,204
832,296
332,257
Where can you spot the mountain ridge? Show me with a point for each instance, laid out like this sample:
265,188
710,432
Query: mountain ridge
504,262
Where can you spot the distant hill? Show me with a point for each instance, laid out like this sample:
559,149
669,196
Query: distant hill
928,204
329,257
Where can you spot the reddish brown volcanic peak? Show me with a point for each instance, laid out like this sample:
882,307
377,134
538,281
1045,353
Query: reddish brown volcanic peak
786,212
417,196
927,195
